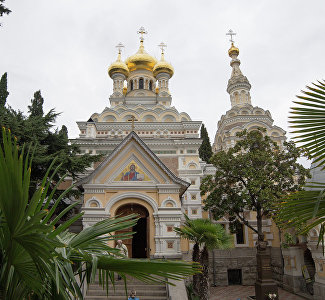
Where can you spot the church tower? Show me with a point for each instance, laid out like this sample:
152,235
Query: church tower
151,162
242,115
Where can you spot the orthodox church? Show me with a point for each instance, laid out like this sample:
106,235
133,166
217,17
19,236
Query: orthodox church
152,165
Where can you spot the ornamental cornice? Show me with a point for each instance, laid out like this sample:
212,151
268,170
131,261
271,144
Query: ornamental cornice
244,119
94,191
139,126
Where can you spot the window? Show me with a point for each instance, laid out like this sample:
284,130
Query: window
170,228
193,196
192,182
240,234
170,245
165,151
131,85
191,151
150,85
141,83
194,211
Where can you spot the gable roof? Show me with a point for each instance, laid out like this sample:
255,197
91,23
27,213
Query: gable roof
184,185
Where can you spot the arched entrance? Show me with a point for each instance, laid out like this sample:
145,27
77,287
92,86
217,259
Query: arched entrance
138,246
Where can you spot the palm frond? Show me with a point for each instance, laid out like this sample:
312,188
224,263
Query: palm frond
308,119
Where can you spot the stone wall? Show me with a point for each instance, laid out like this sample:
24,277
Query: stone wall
244,259
238,258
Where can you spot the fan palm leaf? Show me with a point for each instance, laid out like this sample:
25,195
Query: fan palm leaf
308,120
306,209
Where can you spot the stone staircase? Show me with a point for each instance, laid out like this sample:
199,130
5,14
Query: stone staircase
145,291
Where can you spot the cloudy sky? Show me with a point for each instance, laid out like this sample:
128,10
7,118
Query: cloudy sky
64,47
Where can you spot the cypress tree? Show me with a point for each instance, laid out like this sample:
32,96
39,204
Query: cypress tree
3,9
3,90
36,107
205,150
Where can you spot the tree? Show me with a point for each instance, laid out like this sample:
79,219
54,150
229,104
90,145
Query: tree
205,150
3,90
3,9
308,206
37,129
207,235
253,175
39,260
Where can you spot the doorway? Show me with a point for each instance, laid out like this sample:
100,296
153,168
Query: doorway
138,245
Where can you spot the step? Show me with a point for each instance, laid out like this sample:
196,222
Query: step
130,286
122,298
148,292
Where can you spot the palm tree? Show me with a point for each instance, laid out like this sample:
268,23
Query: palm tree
206,235
308,119
40,259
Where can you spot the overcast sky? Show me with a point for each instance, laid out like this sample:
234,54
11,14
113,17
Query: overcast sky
64,48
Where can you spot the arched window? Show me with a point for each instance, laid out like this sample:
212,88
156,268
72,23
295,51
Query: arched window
141,83
150,85
131,85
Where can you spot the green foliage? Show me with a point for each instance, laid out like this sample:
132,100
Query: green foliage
253,175
3,90
205,150
41,260
204,233
307,207
36,128
308,120
288,240
191,293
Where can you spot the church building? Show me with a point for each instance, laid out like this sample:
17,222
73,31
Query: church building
151,165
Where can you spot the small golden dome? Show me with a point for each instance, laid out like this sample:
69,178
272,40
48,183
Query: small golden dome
233,50
163,66
118,67
157,90
141,60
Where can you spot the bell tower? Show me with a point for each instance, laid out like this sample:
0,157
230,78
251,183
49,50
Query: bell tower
238,84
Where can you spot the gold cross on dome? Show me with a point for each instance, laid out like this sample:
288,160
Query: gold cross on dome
119,46
231,33
162,46
142,31
132,119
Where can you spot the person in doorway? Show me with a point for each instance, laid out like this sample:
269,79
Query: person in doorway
133,295
123,251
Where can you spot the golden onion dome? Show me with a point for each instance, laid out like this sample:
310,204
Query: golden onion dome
163,66
141,60
233,50
118,67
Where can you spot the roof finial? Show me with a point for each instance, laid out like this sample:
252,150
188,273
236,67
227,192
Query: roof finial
162,46
119,46
231,33
142,31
